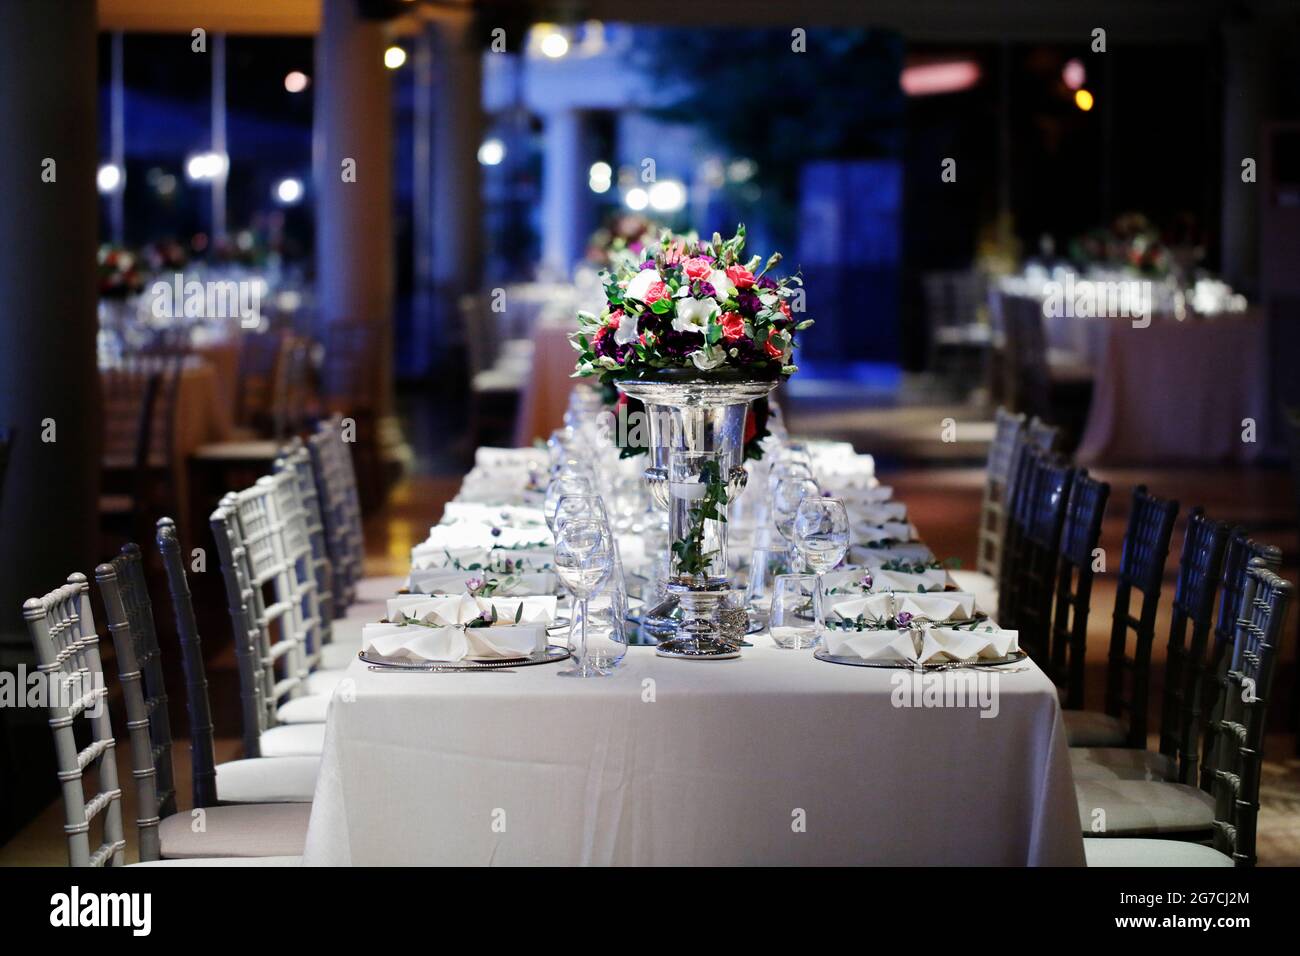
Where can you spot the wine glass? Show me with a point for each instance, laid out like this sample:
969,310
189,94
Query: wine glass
785,503
821,532
584,558
789,624
560,486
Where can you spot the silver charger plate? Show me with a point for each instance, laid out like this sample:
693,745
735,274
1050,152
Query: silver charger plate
1012,658
553,654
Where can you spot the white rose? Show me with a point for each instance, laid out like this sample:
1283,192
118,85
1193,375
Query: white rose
693,315
708,358
640,284
626,332
723,286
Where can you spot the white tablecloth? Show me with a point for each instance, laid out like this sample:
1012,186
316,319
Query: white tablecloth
776,758
1177,392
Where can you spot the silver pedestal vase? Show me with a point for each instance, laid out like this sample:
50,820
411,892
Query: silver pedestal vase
702,414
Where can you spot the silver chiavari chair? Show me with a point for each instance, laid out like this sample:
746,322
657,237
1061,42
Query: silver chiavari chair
241,830
290,521
253,779
278,718
67,650
296,461
327,470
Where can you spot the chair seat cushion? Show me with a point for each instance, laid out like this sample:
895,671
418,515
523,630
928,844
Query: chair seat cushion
1120,763
267,780
1174,853
1092,728
307,709
250,829
323,681
379,589
981,585
1142,808
293,740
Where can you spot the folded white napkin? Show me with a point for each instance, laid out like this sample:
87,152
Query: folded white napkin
903,551
929,646
486,457
452,581
476,534
876,512
940,644
510,516
443,635
849,580
900,531
450,610
924,608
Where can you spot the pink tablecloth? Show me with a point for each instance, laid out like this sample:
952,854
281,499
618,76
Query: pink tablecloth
546,395
1179,392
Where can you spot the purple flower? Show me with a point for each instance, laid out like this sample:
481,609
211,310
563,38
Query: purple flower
648,264
765,282
867,581
706,289
904,618
748,302
496,532
473,584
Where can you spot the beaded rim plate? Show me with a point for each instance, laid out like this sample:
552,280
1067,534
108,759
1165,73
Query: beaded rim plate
1011,658
552,654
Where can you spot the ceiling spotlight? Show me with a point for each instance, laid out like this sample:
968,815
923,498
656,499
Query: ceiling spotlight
1083,99
296,81
288,191
109,178
491,152
394,57
636,199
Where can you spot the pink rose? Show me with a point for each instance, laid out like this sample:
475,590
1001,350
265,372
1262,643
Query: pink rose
656,292
740,277
733,325
773,348
698,268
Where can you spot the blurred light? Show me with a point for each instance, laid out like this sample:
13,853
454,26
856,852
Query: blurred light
394,57
296,81
1073,74
636,199
166,184
930,78
667,196
739,170
204,166
555,44
244,240
1083,100
109,178
288,191
491,152
600,177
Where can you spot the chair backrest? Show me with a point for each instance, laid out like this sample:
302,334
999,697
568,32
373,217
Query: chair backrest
993,517
144,766
63,635
262,533
1017,508
1080,535
1041,435
952,297
1141,569
128,391
1027,378
1199,567
203,771
336,480
259,689
295,544
296,461
1050,481
1239,732
1241,554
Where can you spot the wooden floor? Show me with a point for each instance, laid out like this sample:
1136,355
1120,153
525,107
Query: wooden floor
944,503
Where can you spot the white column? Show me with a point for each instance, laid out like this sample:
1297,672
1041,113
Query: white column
48,231
354,218
566,201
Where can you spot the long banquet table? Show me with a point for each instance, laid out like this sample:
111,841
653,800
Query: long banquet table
773,758
776,758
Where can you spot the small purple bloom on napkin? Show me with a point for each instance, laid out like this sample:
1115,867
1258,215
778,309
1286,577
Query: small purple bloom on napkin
904,618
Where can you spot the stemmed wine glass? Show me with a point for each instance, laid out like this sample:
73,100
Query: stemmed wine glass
561,486
785,502
584,558
821,532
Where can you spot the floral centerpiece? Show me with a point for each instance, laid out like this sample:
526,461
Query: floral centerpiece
699,333
694,305
119,272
